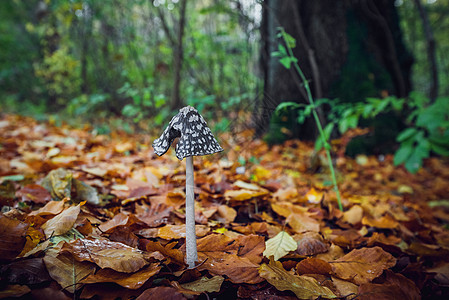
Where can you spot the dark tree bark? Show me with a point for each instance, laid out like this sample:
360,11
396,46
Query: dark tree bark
430,40
179,57
340,46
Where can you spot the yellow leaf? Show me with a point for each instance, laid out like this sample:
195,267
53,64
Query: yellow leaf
205,284
304,287
280,245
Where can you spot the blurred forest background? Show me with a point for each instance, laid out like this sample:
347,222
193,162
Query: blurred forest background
129,64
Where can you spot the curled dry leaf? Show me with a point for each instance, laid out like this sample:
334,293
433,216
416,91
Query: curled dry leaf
363,265
51,208
66,270
173,255
313,266
120,219
131,281
396,286
107,254
280,245
244,194
205,284
170,232
310,243
61,223
304,287
12,237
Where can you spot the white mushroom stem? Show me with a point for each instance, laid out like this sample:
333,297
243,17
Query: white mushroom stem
191,251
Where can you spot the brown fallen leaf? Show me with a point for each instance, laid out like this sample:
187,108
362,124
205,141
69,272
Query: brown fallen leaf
61,223
59,183
131,281
363,265
161,292
106,254
313,266
51,208
14,290
34,193
174,255
310,243
304,287
120,219
174,232
205,284
354,215
396,286
12,237
66,270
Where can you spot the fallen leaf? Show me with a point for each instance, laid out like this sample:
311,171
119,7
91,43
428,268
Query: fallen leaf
313,266
85,192
345,288
107,254
34,193
161,292
304,287
169,232
168,251
61,223
12,237
280,245
354,215
384,222
205,284
34,237
66,270
51,208
128,280
363,265
59,183
310,243
396,286
243,194
14,290
25,271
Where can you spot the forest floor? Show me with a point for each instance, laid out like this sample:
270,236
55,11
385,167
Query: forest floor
268,223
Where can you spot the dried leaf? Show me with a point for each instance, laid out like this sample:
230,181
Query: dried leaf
396,286
243,194
174,255
161,292
313,266
170,232
25,271
310,243
12,237
131,281
363,265
280,245
205,284
107,254
14,290
34,193
51,208
66,270
304,287
85,192
59,183
354,215
61,223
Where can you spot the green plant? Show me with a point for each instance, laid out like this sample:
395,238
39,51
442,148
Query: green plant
427,131
144,101
287,59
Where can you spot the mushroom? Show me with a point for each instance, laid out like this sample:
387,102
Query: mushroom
195,138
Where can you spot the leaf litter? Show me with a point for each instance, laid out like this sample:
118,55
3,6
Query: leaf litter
88,215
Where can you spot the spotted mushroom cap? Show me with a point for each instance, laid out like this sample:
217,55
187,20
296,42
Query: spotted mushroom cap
195,138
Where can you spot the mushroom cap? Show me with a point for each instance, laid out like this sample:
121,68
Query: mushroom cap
195,138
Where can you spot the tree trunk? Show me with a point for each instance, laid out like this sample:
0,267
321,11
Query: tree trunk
430,50
347,49
179,57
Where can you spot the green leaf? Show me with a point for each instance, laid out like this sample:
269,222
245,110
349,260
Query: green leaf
414,162
286,62
406,134
12,178
439,150
402,154
289,40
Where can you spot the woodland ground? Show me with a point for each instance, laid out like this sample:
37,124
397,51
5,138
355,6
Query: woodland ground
102,216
